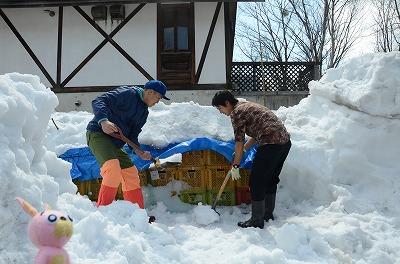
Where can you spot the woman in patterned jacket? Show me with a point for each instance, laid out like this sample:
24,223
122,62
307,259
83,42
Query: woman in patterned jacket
263,128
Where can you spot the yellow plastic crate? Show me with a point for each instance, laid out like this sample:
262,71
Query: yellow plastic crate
216,176
143,178
195,177
91,189
214,158
193,159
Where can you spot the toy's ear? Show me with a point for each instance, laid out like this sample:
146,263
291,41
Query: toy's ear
28,208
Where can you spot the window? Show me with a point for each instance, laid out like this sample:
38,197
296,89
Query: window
175,59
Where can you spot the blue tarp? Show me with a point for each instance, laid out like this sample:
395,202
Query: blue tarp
85,167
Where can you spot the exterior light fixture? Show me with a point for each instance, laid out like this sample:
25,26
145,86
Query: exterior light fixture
99,13
117,13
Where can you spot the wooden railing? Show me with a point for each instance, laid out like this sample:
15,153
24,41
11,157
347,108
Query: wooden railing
273,76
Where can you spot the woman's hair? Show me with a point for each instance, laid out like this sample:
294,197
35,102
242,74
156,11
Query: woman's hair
221,97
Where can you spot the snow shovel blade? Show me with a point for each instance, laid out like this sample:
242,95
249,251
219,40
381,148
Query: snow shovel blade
221,190
164,165
169,164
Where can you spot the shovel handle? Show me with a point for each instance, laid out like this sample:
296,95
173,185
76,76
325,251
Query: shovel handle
220,191
135,147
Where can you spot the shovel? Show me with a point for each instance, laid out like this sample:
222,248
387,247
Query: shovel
135,147
214,205
156,161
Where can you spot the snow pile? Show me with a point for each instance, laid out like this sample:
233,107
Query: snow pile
183,121
204,215
71,132
368,84
27,169
337,201
166,124
347,157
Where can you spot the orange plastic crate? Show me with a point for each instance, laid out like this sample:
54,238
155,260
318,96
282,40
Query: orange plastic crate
195,177
193,159
214,158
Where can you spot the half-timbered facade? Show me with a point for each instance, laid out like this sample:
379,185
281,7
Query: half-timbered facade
83,47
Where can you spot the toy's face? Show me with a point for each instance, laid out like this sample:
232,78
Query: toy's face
50,228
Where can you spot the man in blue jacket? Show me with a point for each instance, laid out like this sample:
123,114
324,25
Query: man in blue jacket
123,110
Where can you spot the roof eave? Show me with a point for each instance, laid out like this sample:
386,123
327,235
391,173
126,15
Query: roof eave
49,3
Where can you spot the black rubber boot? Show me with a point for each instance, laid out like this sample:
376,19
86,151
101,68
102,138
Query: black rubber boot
257,215
269,206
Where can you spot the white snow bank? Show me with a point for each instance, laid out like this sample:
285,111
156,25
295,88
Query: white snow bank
27,169
337,201
348,154
166,124
368,83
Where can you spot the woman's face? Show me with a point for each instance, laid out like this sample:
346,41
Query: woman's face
226,110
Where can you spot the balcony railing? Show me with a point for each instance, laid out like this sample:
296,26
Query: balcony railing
273,76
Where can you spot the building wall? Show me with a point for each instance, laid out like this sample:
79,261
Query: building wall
214,65
108,66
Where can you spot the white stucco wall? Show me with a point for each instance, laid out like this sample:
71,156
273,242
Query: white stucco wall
40,32
108,67
214,65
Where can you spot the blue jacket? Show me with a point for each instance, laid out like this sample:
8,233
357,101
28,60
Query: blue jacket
125,108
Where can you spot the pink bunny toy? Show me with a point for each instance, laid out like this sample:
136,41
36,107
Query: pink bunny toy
49,231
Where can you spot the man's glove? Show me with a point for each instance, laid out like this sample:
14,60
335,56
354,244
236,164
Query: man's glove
234,172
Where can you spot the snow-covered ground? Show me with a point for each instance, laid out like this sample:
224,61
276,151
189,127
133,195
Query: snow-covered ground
338,200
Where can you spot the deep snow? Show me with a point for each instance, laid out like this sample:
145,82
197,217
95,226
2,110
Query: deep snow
337,201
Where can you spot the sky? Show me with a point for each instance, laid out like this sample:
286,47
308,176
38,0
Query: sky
337,201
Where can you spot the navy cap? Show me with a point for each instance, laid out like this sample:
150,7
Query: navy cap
157,86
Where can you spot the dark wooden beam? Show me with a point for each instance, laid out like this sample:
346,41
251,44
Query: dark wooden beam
49,3
229,19
185,87
27,48
59,43
227,42
208,41
101,45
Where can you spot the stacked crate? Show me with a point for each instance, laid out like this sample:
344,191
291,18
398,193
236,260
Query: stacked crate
91,188
192,171
163,176
217,167
242,190
203,170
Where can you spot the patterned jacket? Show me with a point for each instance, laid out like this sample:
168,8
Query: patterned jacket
258,122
